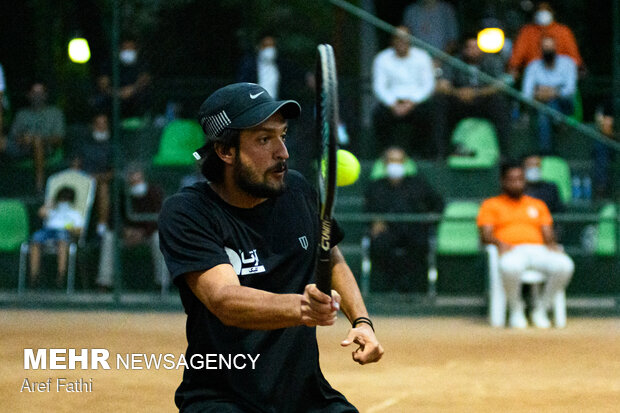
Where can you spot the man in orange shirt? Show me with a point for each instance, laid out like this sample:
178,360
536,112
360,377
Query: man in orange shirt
522,229
526,47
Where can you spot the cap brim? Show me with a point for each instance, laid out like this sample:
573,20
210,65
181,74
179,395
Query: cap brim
289,108
257,115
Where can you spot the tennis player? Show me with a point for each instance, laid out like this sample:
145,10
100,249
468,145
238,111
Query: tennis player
242,249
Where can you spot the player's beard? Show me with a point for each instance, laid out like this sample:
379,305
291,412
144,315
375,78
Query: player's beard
250,181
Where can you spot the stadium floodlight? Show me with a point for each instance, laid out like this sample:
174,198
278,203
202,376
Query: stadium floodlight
491,40
79,52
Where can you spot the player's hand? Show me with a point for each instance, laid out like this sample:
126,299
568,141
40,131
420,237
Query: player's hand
369,350
503,247
318,308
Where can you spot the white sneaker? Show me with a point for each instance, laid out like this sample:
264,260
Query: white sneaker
540,318
517,318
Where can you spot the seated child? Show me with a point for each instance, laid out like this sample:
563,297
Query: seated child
61,223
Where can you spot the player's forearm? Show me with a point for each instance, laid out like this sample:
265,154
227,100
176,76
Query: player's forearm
343,281
254,309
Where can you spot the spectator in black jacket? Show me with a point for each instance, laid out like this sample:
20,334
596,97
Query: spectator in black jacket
282,76
267,67
537,188
399,250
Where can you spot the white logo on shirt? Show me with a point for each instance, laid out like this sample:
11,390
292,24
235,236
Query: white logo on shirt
243,265
532,212
303,241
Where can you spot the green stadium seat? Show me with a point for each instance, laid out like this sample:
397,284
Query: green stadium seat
457,233
179,140
478,136
53,160
133,123
577,115
555,169
607,231
14,224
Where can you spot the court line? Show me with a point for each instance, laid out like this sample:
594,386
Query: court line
388,403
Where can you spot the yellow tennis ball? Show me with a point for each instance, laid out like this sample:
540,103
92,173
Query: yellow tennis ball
348,168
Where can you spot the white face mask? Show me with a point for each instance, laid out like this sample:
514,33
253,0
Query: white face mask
63,206
101,136
543,17
395,170
532,174
128,56
139,190
268,54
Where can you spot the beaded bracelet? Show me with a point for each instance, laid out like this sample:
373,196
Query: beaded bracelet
363,320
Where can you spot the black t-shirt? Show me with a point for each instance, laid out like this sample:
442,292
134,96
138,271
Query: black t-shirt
272,247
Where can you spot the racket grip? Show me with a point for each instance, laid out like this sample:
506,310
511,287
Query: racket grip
324,273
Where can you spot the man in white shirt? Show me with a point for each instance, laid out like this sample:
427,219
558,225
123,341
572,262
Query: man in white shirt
403,83
551,80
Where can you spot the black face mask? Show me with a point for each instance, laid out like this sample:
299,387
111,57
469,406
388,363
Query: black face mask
549,57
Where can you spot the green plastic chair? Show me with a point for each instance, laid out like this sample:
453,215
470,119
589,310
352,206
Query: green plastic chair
607,232
457,233
577,115
179,140
478,136
378,169
555,169
133,124
14,225
55,159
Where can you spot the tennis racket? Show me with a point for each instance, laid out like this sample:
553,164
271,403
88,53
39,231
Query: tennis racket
326,112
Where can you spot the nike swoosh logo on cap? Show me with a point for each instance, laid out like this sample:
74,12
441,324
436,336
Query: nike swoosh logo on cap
256,95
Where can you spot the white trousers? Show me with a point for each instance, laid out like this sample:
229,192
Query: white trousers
556,265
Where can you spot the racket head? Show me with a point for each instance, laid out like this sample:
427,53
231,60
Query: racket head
326,128
326,112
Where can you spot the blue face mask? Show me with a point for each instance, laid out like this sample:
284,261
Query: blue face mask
395,170
533,174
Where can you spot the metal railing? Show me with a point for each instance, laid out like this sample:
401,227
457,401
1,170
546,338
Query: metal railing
490,80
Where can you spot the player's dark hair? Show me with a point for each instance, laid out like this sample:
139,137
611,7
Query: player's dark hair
65,194
212,166
508,165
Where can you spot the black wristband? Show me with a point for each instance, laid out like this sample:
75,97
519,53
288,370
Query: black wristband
363,320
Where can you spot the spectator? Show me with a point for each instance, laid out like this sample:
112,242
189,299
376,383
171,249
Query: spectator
551,80
37,130
522,229
404,82
95,158
539,189
268,68
603,155
399,251
468,96
135,83
433,21
142,204
526,47
101,99
61,223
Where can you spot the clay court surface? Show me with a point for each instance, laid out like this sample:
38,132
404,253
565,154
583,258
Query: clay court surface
430,364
